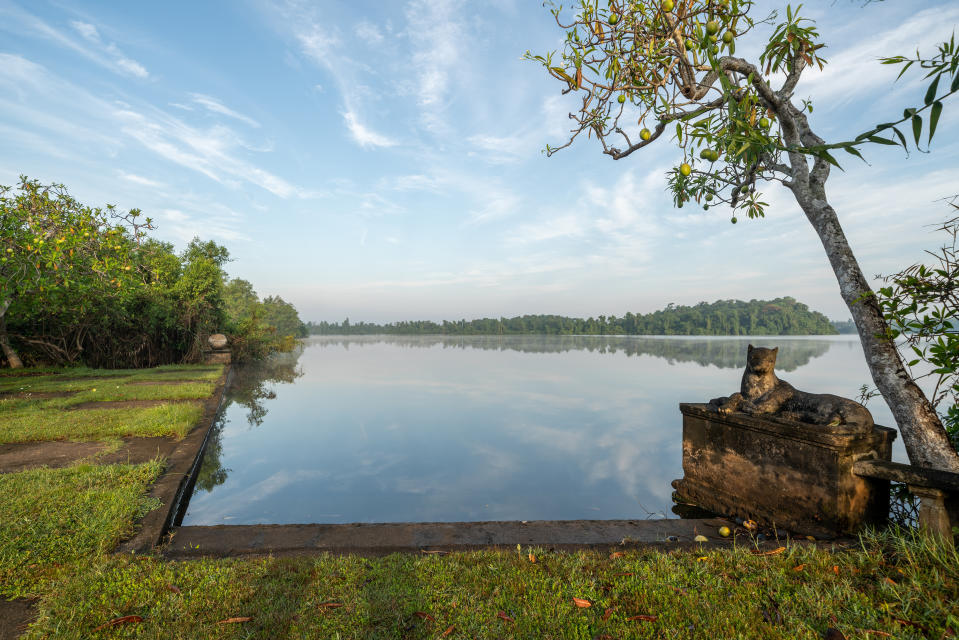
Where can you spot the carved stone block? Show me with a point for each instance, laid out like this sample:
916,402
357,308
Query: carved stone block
789,474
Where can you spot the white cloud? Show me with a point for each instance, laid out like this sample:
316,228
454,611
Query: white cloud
368,32
215,106
437,37
140,180
363,135
119,60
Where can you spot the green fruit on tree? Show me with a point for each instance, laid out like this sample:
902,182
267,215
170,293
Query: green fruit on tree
621,98
733,220
685,169
645,134
709,197
613,18
712,27
667,5
705,207
728,37
714,39
764,123
690,44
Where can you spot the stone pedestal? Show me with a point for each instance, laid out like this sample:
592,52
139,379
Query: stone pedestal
792,475
218,351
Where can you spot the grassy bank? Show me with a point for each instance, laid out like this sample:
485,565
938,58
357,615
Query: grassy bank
891,587
54,521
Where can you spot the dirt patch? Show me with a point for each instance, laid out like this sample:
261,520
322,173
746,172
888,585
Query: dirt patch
128,404
31,374
59,453
36,394
140,450
15,615
148,383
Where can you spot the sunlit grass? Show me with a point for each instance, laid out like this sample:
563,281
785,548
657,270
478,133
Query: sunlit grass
81,378
53,521
895,586
36,420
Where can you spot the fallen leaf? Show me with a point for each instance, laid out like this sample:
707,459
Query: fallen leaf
771,552
173,588
833,634
890,581
835,569
233,620
750,525
581,603
607,614
910,623
424,616
448,631
329,605
119,621
799,567
811,538
627,573
532,558
502,616
616,554
877,632
702,559
643,617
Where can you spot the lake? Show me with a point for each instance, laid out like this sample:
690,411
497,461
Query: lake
447,429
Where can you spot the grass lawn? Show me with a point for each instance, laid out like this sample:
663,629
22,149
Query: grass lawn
36,422
53,521
898,587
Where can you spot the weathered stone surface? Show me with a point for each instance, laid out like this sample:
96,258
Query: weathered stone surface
218,341
782,473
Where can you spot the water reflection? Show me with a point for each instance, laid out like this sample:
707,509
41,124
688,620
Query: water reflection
405,429
251,387
725,353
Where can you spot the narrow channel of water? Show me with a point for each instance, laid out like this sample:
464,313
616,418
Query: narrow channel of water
417,429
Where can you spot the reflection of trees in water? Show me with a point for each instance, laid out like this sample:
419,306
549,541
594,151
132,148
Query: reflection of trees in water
250,387
725,354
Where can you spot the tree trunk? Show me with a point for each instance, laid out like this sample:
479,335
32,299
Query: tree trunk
922,432
8,352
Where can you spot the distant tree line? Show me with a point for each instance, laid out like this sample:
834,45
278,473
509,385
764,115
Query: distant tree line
82,285
782,316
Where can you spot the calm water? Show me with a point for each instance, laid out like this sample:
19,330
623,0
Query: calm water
416,429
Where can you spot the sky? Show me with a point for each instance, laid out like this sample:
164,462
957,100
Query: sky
384,161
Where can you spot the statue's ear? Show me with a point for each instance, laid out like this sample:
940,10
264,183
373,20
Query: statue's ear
776,350
749,348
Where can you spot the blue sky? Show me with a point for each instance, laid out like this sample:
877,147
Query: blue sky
383,160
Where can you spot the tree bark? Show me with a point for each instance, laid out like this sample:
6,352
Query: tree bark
922,432
8,352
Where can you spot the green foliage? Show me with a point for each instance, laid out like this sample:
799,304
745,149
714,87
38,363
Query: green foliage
782,316
86,285
921,306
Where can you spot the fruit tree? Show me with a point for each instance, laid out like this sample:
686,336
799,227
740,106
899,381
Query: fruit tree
57,253
671,67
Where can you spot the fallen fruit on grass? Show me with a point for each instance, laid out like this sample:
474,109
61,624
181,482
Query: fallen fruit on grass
724,531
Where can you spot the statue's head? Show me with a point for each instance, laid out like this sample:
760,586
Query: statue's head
761,359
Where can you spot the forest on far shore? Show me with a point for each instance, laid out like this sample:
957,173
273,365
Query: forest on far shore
782,316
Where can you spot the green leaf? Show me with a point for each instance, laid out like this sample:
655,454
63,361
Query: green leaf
955,83
854,151
679,133
934,118
902,138
931,91
917,127
879,140
828,158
